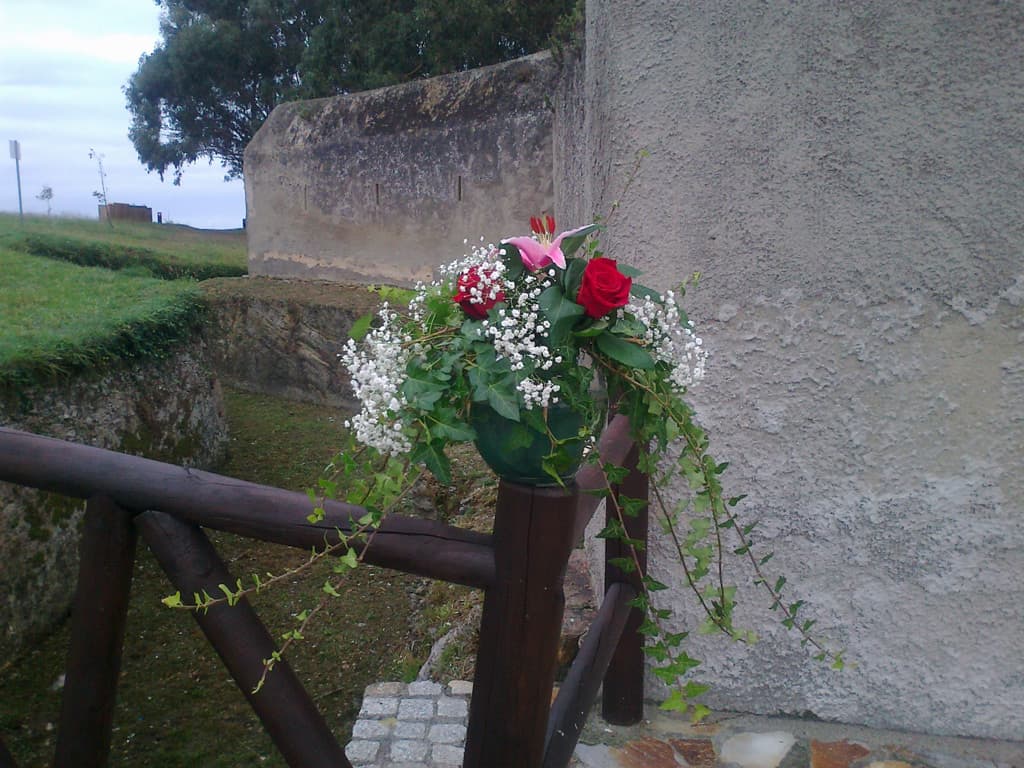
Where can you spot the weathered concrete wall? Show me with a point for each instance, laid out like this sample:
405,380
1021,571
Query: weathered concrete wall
848,179
171,410
385,185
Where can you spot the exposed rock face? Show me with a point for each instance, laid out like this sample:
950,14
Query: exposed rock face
384,185
170,410
282,337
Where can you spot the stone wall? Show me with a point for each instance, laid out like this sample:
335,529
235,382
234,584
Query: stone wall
847,178
170,410
384,185
281,337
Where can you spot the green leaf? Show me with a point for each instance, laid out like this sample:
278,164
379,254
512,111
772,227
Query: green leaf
675,702
699,713
642,290
624,564
504,401
349,559
330,590
572,243
594,329
692,690
625,352
361,327
432,455
573,276
629,270
653,585
513,261
422,392
494,386
560,312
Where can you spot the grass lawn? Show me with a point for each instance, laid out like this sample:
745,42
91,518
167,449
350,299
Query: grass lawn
57,317
165,250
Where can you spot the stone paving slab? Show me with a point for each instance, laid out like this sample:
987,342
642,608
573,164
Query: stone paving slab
414,725
423,725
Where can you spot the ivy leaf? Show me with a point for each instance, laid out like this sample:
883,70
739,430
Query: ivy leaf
692,690
349,559
494,387
421,391
455,432
675,702
504,401
699,713
432,455
625,352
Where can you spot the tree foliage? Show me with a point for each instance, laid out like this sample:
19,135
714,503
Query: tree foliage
223,65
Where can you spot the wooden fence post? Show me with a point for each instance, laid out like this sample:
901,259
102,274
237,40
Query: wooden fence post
6,758
622,701
239,637
107,556
520,627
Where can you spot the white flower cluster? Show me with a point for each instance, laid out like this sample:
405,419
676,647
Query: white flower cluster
377,370
520,331
669,340
538,393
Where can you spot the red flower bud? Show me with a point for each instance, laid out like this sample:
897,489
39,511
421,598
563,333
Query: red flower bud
473,292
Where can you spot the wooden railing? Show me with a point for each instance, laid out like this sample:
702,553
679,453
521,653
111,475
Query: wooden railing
520,567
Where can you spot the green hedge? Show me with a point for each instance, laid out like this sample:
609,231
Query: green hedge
117,256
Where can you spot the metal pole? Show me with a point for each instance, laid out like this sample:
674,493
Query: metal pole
17,172
16,154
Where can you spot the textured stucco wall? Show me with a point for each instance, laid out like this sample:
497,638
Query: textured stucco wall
848,178
383,186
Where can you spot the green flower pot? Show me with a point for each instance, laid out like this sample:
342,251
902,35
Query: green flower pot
516,452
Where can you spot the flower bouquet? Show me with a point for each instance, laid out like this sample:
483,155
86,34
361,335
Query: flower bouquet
515,347
519,347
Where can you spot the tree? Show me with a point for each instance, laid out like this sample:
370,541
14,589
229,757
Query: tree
223,65
46,195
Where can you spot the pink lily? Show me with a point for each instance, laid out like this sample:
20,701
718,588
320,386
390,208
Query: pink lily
538,253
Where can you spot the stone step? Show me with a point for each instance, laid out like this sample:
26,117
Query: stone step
423,725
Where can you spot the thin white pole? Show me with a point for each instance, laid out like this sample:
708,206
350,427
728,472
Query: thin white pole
15,146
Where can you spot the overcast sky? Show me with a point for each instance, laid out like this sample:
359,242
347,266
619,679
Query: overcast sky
62,66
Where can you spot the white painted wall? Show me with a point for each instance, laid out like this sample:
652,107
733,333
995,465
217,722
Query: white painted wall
848,177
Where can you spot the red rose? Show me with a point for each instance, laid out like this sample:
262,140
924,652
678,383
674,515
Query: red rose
603,288
476,293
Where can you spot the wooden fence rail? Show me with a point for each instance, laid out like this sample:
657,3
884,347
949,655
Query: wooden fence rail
520,566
